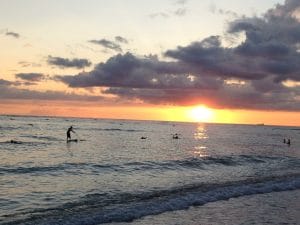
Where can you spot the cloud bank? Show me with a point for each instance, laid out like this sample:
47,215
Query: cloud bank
251,75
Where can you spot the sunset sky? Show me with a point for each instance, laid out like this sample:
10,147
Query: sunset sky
224,61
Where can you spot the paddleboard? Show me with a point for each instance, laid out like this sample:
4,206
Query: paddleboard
72,140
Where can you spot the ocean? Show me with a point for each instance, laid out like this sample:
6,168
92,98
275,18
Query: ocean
135,172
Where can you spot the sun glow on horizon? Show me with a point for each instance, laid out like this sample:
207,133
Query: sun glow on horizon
201,114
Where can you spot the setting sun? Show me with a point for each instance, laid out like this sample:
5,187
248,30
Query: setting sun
201,114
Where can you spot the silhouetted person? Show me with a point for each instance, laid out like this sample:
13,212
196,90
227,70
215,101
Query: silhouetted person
69,132
175,136
284,141
289,142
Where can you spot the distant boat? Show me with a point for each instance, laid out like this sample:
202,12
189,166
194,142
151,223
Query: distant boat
260,124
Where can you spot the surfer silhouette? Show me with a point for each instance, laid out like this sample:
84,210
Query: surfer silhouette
70,129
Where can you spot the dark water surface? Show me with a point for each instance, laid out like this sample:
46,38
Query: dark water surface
112,175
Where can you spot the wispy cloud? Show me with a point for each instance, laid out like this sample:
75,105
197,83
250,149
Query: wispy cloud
107,44
177,12
29,64
12,34
180,2
121,40
159,14
214,9
180,10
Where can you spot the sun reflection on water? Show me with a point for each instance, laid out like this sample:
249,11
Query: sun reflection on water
200,132
200,152
200,135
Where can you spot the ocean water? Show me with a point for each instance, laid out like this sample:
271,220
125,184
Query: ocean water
212,174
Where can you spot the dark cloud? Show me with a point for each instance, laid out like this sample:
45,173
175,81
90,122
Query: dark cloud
107,44
201,72
32,77
160,82
270,48
12,34
285,10
138,72
68,63
231,96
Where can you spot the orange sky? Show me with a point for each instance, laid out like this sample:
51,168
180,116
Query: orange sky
161,113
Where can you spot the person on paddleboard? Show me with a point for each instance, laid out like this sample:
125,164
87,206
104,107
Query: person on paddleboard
70,129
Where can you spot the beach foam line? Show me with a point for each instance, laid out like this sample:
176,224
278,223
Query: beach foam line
131,207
